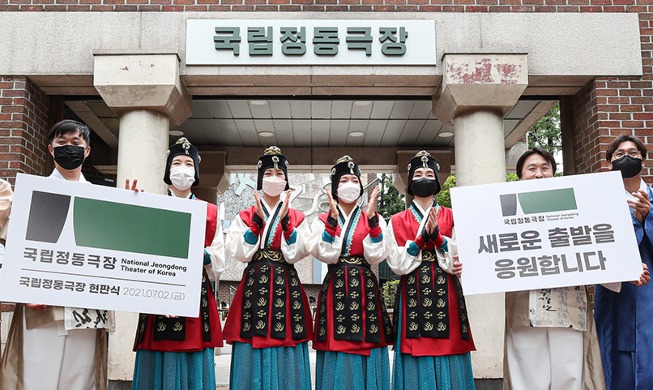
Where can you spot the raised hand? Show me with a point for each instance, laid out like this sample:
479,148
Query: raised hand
134,185
333,206
432,223
641,205
286,205
371,207
259,207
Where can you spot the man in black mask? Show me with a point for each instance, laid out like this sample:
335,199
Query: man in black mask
623,323
49,347
69,143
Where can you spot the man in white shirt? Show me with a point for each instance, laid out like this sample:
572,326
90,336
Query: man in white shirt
46,349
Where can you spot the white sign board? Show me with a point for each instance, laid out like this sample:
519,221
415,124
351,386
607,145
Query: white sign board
79,245
557,232
310,42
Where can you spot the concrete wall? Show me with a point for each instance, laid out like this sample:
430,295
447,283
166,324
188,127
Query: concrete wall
57,49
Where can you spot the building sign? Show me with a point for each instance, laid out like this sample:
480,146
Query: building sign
79,245
567,231
310,42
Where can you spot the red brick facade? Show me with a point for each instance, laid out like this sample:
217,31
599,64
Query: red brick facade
605,108
24,113
328,6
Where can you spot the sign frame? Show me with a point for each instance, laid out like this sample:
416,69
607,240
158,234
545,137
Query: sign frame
83,252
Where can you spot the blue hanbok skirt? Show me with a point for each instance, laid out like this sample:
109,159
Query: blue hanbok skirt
339,370
430,372
278,368
174,370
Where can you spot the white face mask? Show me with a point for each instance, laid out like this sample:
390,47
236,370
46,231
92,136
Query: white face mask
182,178
348,192
273,186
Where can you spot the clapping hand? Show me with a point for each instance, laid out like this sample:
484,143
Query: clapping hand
432,223
371,207
286,205
333,206
641,205
259,207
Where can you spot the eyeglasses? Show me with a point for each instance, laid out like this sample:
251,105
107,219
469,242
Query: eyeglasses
632,153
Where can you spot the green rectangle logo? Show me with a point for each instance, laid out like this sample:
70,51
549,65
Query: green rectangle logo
117,226
547,201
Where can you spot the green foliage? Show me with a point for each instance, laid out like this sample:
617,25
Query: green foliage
389,292
546,132
444,197
390,200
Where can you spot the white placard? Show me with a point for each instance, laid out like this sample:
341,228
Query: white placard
80,245
532,234
268,42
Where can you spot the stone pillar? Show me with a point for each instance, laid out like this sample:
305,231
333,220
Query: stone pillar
477,91
479,145
146,93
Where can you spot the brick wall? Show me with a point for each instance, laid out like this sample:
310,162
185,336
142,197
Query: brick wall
326,5
641,6
607,108
23,128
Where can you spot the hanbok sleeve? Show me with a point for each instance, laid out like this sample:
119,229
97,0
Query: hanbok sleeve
446,252
214,254
323,243
400,260
294,244
241,243
375,248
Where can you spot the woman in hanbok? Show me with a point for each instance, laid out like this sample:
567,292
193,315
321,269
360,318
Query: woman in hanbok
178,352
433,335
269,322
352,327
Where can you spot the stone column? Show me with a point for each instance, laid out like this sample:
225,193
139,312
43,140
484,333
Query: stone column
477,91
146,93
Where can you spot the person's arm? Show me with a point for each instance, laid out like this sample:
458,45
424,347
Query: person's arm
375,248
294,241
400,260
324,244
641,215
242,242
214,258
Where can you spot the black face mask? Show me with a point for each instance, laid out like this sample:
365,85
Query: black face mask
424,187
69,156
629,166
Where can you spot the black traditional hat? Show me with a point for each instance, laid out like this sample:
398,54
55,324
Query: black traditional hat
345,165
271,158
182,146
423,160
